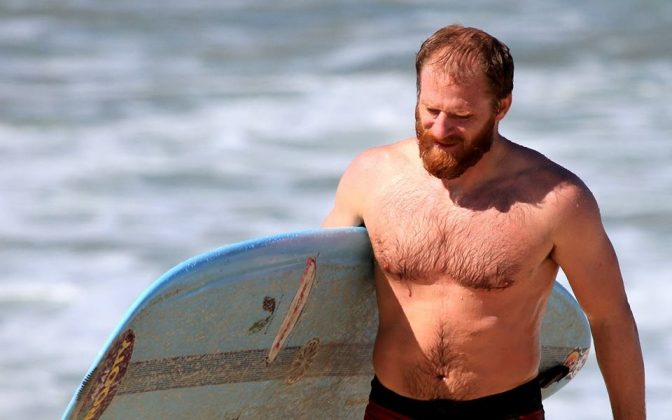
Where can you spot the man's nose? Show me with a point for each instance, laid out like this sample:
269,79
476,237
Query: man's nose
442,126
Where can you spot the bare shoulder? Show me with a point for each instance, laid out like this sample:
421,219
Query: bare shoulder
528,179
366,173
562,184
372,165
382,158
566,195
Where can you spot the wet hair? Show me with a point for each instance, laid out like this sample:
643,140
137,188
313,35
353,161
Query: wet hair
464,53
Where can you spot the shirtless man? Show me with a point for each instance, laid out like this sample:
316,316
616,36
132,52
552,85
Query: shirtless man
468,231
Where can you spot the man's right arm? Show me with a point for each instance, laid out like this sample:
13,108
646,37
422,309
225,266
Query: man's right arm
351,192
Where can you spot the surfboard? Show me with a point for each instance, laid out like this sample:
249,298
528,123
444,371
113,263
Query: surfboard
277,326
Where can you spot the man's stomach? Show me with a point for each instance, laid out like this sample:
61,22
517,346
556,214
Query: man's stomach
443,343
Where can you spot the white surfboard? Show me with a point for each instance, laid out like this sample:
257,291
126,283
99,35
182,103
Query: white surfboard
281,326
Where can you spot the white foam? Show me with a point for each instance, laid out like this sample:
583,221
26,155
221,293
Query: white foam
15,292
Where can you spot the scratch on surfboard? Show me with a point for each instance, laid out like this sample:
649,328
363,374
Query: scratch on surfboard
295,308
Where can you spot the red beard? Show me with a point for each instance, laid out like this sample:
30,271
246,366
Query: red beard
449,165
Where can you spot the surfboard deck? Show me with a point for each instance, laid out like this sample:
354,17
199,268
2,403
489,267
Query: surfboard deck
277,326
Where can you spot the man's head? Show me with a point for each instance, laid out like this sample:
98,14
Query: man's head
464,81
465,53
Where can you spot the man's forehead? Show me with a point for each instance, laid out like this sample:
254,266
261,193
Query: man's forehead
439,99
438,75
437,86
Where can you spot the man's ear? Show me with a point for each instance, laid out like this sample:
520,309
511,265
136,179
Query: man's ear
503,108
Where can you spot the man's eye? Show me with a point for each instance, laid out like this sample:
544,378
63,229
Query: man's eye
433,112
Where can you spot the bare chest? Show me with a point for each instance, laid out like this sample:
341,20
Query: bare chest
420,239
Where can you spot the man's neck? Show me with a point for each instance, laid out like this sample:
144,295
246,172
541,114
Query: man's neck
485,170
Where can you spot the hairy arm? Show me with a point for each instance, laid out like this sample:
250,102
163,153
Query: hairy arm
587,257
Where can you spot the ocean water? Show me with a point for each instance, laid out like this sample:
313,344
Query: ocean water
134,135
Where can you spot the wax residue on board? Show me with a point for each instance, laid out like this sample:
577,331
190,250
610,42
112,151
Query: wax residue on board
295,308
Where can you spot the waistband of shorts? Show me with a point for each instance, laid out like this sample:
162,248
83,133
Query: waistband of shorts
523,399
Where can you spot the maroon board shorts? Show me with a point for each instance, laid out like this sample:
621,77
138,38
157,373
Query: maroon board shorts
520,403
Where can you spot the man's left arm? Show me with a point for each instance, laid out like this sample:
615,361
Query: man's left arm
586,255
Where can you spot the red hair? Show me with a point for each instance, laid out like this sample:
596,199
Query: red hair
464,53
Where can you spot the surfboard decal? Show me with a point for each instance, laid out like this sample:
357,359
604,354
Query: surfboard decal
303,359
269,306
104,387
295,309
575,361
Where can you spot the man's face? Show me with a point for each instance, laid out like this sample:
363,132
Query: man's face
454,124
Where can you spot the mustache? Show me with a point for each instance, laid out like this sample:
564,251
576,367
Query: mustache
428,138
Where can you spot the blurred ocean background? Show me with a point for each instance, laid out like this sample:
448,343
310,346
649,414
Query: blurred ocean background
135,134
